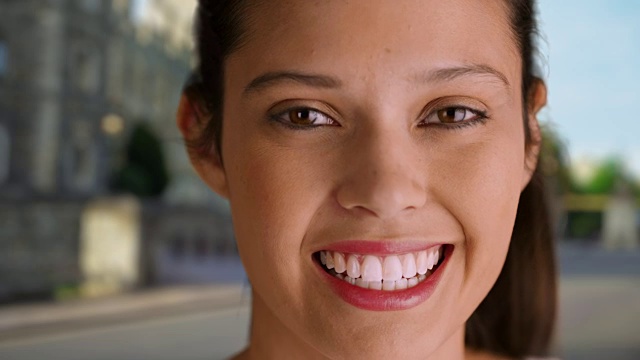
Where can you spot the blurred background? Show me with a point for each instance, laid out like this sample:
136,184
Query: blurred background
111,247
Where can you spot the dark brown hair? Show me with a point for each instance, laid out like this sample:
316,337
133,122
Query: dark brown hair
517,317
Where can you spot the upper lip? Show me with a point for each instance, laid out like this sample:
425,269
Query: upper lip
379,247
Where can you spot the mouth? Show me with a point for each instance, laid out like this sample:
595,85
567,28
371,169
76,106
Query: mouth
386,273
389,282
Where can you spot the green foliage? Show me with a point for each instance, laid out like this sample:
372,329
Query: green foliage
584,225
144,173
66,292
607,175
635,189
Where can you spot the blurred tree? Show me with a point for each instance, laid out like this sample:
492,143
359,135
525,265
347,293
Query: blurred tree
608,178
605,177
635,188
584,225
144,172
554,160
554,166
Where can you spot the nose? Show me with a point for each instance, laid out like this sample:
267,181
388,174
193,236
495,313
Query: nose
383,175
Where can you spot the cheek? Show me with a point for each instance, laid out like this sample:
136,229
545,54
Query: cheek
482,192
273,194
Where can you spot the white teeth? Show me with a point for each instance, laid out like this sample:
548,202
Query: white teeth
353,267
430,260
388,273
385,285
434,257
422,262
371,269
339,263
391,268
402,284
408,266
330,264
375,285
362,283
388,285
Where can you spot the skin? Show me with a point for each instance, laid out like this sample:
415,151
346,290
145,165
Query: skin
379,172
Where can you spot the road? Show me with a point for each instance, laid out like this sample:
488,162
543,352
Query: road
599,319
199,336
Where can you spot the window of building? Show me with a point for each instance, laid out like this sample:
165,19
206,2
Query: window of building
220,246
139,76
202,247
87,68
4,54
115,71
178,247
82,159
5,154
82,154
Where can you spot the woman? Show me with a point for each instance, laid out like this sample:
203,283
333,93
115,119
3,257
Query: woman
380,162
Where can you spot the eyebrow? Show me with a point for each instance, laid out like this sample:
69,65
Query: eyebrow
273,78
452,73
324,81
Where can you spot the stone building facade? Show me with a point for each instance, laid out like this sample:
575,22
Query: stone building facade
65,66
75,76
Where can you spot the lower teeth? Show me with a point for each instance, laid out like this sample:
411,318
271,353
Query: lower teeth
401,284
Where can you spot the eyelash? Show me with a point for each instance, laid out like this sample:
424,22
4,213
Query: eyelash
481,119
278,118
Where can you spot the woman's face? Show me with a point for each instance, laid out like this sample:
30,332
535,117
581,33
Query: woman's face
375,130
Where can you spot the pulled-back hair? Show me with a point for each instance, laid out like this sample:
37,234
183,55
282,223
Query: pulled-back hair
517,317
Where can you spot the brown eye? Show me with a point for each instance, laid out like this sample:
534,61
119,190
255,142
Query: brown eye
303,116
307,117
454,115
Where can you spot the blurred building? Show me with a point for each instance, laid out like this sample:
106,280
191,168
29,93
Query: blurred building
75,76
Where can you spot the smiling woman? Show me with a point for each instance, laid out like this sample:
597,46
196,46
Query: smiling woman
380,162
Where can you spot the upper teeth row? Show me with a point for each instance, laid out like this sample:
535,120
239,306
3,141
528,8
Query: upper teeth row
378,268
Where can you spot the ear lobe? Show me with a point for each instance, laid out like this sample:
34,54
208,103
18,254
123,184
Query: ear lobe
532,152
186,118
211,171
203,157
537,100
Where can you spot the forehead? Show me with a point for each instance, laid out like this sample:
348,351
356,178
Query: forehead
378,36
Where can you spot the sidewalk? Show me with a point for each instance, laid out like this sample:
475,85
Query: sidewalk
21,321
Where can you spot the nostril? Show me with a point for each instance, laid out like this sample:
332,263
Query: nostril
381,208
382,199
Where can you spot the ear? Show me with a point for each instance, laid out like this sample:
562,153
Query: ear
537,100
205,159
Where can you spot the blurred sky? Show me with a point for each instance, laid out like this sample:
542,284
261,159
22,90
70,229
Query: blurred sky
593,51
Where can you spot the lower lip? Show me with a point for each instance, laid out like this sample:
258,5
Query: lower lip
380,300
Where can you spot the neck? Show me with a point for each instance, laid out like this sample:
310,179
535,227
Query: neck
270,339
